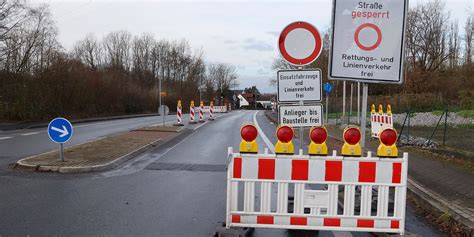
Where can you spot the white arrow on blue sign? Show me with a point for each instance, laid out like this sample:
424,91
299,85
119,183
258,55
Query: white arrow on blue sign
60,130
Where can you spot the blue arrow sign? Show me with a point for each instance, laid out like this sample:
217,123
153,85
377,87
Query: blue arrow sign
60,130
328,87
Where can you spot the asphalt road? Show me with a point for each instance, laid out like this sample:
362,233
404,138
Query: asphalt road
176,190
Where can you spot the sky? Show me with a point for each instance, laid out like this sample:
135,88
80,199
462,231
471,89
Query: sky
242,33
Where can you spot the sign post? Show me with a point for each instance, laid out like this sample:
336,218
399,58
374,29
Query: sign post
60,131
300,44
368,44
327,89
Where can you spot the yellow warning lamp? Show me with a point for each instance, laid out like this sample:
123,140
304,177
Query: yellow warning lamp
285,140
389,109
373,109
192,104
202,103
318,137
380,109
351,145
249,139
179,103
388,143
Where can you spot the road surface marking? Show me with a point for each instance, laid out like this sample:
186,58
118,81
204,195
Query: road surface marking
262,134
3,138
29,134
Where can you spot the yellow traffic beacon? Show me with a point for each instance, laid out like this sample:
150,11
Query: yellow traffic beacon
351,145
285,140
318,137
249,139
388,143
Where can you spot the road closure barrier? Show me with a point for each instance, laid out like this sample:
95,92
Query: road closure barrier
192,117
315,192
211,111
201,112
380,121
179,114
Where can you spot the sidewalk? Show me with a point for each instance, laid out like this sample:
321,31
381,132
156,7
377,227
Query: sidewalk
446,186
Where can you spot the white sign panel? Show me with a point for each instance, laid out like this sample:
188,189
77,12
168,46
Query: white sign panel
299,85
368,40
301,115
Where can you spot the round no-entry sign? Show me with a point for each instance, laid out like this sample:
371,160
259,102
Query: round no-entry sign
300,43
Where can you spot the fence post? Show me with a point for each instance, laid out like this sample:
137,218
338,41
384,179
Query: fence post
434,130
408,126
445,124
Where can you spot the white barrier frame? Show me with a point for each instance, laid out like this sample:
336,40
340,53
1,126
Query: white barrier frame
315,214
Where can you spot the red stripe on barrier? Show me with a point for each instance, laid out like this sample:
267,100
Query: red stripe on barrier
332,222
365,223
265,220
367,171
237,168
299,169
396,173
235,219
298,221
333,171
266,168
378,119
395,224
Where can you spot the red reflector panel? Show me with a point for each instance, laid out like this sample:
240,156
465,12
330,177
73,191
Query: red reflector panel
365,223
266,168
332,222
265,220
396,173
235,219
333,171
298,221
238,168
299,170
367,171
395,224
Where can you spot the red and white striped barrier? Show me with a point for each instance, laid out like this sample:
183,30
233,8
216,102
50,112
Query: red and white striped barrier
217,109
380,121
316,208
201,113
211,111
192,117
179,113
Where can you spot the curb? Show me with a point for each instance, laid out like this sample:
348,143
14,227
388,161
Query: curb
19,126
427,201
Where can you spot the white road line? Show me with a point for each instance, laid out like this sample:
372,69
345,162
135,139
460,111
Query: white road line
29,134
262,134
3,138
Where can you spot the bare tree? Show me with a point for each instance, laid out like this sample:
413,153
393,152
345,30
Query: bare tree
117,49
89,51
468,37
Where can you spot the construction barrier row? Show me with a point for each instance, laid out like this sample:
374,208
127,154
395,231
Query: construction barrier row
201,110
315,191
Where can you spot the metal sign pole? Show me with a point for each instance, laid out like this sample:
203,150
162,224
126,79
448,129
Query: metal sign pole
363,119
350,105
358,103
327,108
61,152
343,99
164,111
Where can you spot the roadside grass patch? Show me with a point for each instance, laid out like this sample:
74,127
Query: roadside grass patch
466,113
437,112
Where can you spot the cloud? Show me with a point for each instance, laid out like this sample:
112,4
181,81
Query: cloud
230,42
259,45
273,33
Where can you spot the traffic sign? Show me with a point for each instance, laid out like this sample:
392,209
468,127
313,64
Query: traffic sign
368,41
299,85
301,115
328,87
60,130
300,43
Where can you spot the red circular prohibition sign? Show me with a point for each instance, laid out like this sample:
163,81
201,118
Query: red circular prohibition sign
379,36
316,51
